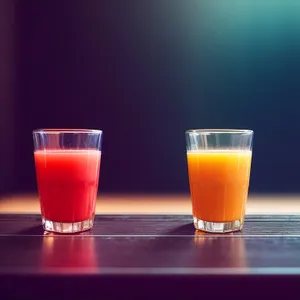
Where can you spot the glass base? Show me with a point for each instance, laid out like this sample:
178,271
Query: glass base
218,227
60,227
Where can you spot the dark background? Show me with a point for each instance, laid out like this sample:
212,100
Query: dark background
144,72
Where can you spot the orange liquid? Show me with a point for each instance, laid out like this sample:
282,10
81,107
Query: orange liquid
219,181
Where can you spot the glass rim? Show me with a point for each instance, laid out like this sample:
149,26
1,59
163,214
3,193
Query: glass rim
66,130
220,131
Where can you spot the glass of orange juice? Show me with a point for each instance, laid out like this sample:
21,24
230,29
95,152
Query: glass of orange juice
219,163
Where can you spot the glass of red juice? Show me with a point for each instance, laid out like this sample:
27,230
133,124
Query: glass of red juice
67,163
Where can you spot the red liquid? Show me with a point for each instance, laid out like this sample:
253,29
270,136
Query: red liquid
67,183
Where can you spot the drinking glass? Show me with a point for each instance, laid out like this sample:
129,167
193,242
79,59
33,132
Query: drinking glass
67,163
219,163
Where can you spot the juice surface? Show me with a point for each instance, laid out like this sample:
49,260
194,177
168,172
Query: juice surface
219,181
67,183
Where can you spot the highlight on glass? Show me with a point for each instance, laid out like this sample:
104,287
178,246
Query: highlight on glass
67,163
219,163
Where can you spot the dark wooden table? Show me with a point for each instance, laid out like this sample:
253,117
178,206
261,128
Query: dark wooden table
147,256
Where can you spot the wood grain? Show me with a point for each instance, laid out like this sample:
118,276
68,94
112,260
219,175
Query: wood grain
126,255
